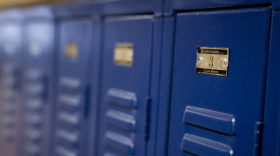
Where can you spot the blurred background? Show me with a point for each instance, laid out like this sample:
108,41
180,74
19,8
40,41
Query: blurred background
23,3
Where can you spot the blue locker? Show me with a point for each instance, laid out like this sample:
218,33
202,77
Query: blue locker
38,82
72,95
210,114
271,133
11,34
128,104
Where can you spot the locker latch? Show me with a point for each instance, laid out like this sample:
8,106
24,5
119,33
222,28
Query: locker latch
258,138
147,118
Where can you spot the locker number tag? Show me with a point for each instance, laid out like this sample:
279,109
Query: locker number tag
212,61
71,50
123,54
34,48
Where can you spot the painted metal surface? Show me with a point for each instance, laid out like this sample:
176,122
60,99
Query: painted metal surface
72,94
216,108
127,93
11,44
38,82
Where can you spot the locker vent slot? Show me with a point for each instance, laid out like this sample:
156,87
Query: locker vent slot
202,146
69,117
33,119
34,104
72,119
33,134
121,98
9,89
70,100
32,149
64,152
70,83
34,89
119,142
216,121
67,136
34,75
120,119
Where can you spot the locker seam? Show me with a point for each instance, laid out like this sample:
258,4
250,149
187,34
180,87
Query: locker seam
99,87
225,8
266,65
159,81
266,76
150,80
171,82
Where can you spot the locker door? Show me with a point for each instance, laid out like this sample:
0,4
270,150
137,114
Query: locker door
73,55
126,85
219,115
10,86
37,87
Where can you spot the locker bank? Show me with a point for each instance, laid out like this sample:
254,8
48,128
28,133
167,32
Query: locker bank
143,78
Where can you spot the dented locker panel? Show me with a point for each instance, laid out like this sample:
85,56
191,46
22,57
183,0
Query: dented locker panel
37,101
125,85
70,133
210,114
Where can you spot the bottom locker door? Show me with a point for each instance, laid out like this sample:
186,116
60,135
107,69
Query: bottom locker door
218,82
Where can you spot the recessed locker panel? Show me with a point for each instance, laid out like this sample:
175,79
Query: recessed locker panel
218,82
10,85
70,133
37,87
125,86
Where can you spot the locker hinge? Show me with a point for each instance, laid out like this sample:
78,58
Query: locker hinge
147,118
258,138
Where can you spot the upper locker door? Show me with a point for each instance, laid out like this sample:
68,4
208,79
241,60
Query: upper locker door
73,56
219,115
125,85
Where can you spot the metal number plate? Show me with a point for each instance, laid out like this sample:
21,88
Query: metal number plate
123,54
71,50
213,61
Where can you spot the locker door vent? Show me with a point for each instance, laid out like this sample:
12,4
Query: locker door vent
69,117
35,89
9,83
121,121
214,121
